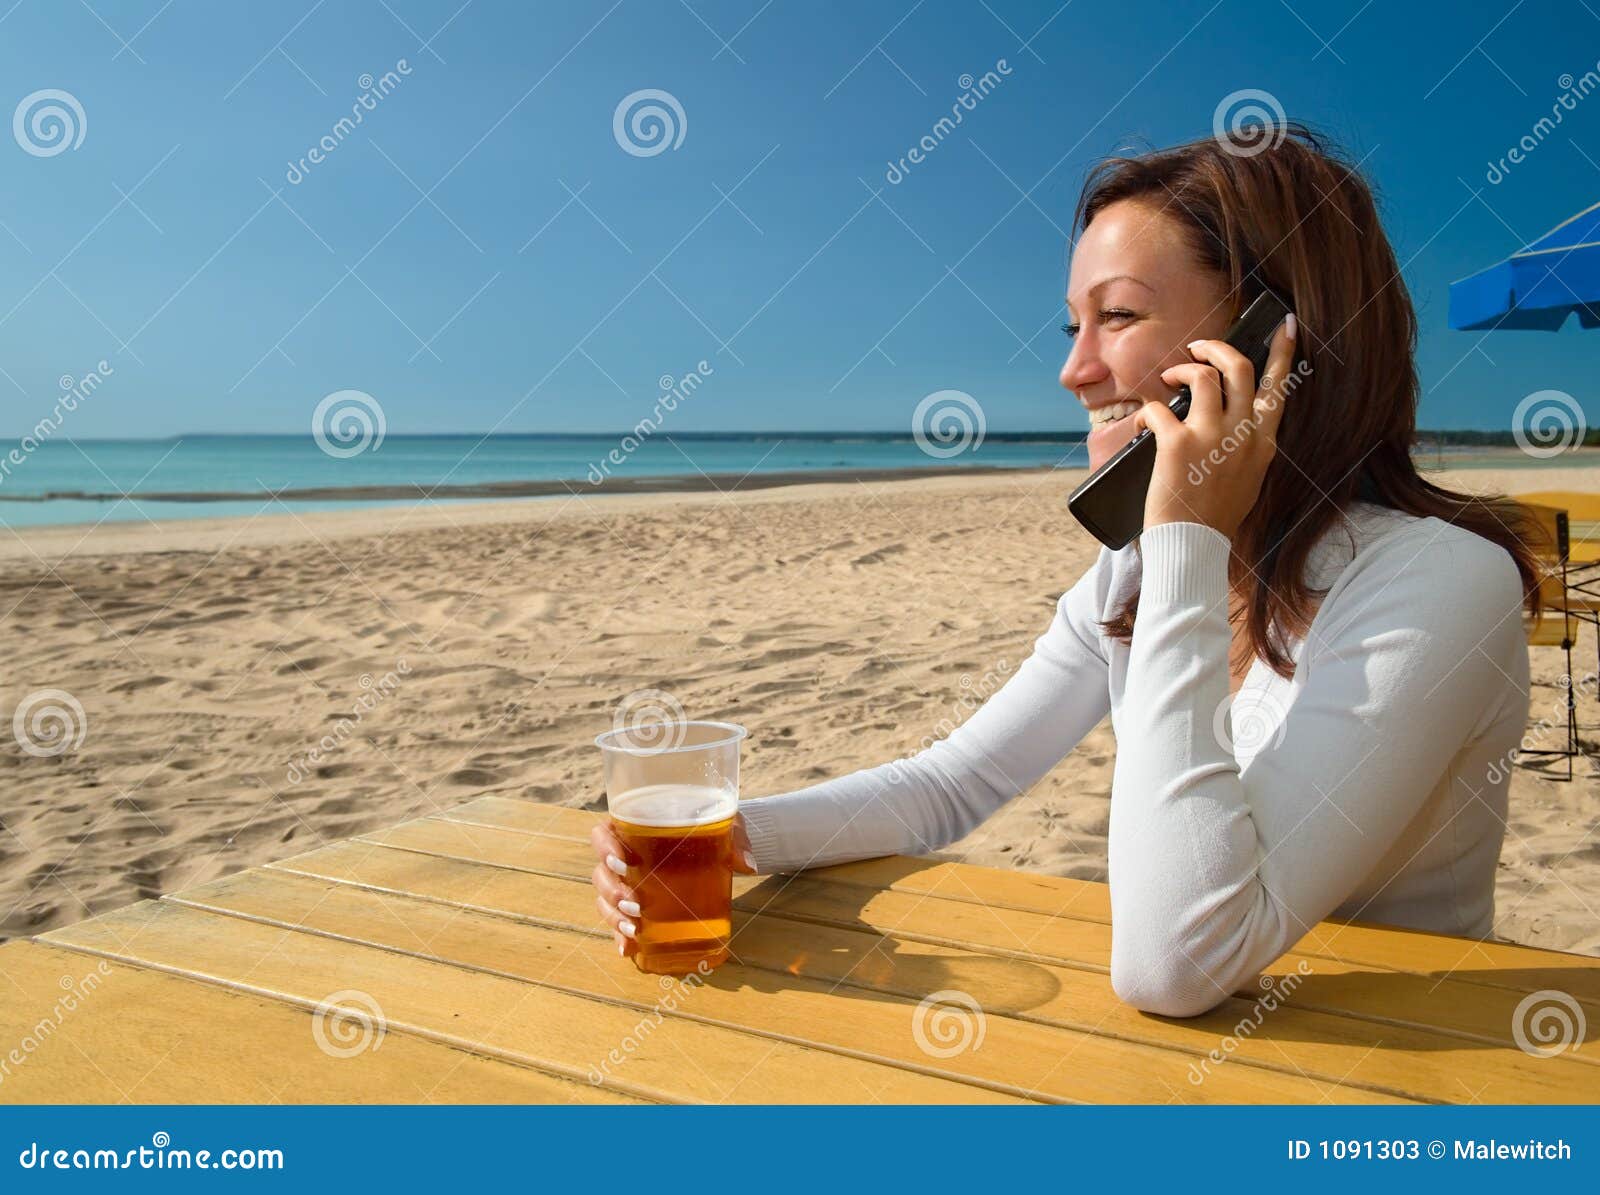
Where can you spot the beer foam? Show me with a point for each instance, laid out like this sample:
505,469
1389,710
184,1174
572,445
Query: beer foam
669,805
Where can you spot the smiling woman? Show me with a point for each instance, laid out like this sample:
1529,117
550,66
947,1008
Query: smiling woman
1204,228
1328,664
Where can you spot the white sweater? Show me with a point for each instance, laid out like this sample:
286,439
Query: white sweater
1372,785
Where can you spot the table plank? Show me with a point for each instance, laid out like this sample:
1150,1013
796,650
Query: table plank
1495,964
1016,1056
1424,1001
677,1060
1419,1063
135,1035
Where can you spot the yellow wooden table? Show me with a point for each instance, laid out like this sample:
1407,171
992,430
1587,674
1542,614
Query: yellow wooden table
471,944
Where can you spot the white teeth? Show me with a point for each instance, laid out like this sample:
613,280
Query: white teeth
1099,416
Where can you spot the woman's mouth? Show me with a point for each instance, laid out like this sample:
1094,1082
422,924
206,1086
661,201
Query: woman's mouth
1100,416
1109,429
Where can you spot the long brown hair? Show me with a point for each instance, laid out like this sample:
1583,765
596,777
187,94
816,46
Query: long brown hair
1292,215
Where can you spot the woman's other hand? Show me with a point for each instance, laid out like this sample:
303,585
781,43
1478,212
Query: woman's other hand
1209,467
617,901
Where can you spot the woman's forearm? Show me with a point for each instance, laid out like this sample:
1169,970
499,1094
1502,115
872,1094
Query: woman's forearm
930,799
906,807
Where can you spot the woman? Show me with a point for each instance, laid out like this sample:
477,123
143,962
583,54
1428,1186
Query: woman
1314,660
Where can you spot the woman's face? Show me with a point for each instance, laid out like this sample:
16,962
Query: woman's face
1135,297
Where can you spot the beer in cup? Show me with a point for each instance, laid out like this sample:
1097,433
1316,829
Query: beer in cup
672,792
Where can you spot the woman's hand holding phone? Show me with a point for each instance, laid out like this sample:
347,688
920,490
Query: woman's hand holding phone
1209,467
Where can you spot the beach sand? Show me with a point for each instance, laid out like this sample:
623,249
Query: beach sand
446,652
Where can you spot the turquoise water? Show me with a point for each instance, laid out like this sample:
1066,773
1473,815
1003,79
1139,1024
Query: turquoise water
63,481
49,484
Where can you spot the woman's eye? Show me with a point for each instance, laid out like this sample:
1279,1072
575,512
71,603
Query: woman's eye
1105,316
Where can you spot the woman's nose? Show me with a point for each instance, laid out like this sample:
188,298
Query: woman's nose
1083,366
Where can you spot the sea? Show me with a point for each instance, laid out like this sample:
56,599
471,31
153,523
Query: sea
66,481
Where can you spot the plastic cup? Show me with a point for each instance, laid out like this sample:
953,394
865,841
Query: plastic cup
672,793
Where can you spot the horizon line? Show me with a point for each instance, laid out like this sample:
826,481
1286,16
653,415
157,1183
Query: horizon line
870,433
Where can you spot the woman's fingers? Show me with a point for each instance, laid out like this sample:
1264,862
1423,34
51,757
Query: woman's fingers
603,838
608,847
618,912
615,891
1156,418
1205,392
617,903
1238,375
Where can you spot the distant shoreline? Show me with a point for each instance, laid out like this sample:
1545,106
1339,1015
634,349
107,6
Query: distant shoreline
1427,438
885,437
201,527
678,483
1458,457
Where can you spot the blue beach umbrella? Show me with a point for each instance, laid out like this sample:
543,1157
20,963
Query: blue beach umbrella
1539,285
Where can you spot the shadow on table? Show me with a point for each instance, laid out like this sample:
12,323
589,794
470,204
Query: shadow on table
846,950
1497,1004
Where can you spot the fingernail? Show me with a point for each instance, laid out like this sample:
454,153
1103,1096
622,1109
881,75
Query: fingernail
749,859
1291,326
630,907
622,947
616,865
628,928
1191,345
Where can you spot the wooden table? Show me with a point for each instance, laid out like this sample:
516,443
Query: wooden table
471,939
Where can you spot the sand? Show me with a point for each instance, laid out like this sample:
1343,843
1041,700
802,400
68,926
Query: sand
253,687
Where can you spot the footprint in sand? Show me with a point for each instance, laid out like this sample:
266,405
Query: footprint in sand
880,555
474,777
309,664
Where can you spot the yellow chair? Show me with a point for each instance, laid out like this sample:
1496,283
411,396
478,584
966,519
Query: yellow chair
1583,521
1562,608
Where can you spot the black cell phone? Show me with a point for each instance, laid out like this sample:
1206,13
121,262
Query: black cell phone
1110,502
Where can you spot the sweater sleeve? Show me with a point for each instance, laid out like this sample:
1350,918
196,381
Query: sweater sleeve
930,799
1217,869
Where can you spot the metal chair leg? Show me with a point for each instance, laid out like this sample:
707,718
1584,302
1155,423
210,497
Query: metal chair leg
1572,711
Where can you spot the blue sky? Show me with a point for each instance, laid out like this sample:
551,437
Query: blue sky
480,253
